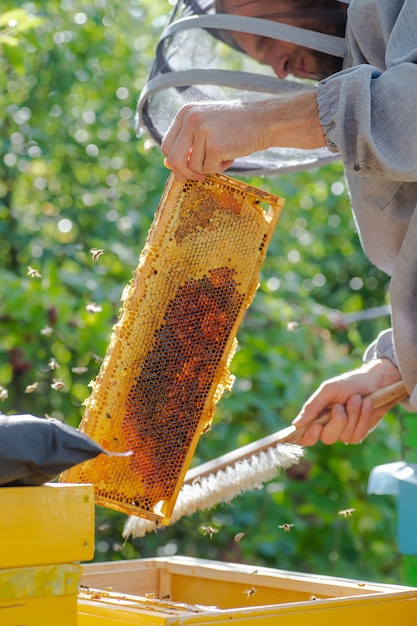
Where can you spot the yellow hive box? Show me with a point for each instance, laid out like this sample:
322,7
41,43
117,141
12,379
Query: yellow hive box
53,523
187,591
39,596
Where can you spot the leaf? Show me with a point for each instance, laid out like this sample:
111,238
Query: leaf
15,56
9,40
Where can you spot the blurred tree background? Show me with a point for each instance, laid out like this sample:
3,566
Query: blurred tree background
74,178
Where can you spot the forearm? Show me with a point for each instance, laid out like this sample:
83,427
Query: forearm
293,121
207,137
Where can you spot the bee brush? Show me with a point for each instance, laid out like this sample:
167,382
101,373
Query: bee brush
247,468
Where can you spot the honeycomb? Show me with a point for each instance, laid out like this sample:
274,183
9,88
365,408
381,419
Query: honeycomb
167,364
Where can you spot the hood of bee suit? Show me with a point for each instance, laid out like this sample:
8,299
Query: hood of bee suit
196,59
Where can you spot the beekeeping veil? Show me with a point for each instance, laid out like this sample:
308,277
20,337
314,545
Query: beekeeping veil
197,59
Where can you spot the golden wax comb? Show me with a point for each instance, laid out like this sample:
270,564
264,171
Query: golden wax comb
167,364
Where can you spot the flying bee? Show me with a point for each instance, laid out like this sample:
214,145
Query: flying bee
292,326
165,598
238,537
346,512
32,273
209,530
156,526
92,307
286,527
249,592
149,596
96,253
57,384
103,528
79,370
31,388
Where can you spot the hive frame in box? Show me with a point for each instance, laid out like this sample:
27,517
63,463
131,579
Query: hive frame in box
167,364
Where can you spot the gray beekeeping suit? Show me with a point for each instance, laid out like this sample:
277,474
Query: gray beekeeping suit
368,114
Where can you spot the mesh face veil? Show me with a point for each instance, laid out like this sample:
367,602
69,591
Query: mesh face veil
198,59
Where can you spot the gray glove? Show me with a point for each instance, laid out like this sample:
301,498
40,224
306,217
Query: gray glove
34,450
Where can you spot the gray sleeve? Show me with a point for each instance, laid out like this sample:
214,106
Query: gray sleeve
382,347
359,105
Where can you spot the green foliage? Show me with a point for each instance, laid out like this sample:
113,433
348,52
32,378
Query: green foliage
74,178
15,27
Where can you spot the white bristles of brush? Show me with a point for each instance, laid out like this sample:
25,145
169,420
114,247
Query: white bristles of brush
223,485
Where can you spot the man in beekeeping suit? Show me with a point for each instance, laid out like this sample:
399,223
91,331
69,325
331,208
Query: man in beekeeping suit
364,110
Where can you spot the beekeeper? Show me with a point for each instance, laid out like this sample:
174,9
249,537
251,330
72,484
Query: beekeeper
366,112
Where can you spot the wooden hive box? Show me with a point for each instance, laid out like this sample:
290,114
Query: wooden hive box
44,595
44,532
52,523
188,591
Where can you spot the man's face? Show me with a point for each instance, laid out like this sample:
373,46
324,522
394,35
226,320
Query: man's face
283,57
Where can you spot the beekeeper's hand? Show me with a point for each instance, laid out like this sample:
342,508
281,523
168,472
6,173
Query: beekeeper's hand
352,414
206,137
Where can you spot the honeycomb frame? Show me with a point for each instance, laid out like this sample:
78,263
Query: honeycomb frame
167,364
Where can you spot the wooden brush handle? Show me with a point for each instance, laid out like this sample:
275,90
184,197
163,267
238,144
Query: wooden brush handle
385,396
